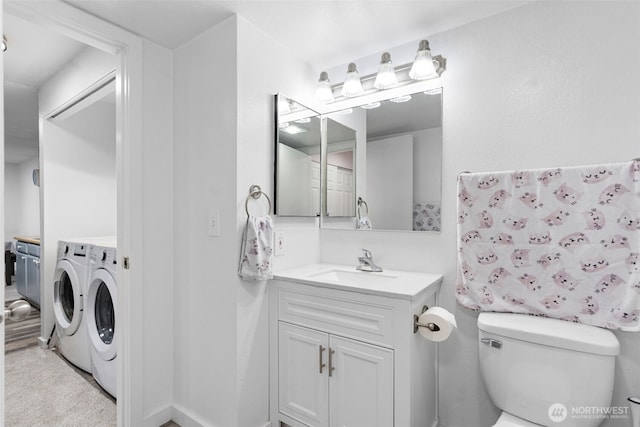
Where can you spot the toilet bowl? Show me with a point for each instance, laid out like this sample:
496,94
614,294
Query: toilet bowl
537,369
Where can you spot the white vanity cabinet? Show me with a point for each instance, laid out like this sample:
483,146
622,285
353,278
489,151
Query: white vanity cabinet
318,371
347,356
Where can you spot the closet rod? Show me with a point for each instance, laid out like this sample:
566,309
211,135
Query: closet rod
82,96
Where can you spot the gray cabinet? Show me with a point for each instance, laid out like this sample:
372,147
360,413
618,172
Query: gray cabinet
28,271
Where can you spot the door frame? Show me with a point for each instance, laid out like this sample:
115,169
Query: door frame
128,50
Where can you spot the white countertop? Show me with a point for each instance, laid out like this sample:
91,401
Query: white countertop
390,283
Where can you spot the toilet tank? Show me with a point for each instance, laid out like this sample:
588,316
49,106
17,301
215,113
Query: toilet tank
532,366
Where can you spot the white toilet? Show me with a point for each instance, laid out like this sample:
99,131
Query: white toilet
542,371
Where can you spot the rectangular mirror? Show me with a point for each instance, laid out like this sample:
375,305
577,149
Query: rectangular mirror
397,166
297,159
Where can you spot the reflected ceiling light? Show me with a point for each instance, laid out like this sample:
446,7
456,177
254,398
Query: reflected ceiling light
436,91
324,90
401,99
4,43
304,120
283,125
371,105
293,129
386,76
352,85
423,66
345,111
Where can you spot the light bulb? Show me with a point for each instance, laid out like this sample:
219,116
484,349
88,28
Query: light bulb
324,91
386,76
423,67
352,85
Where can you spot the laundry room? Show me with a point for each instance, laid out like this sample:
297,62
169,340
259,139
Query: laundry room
60,180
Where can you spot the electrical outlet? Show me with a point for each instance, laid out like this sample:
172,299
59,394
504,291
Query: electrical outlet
280,243
213,223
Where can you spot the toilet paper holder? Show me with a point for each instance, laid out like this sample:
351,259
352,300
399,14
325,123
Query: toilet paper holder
417,325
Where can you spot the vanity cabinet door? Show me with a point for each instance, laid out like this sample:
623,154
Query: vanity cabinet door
303,389
361,384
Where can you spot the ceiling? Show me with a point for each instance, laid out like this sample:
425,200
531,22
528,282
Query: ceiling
334,33
33,55
324,33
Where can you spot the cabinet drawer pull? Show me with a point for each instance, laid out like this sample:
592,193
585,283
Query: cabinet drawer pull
320,350
331,367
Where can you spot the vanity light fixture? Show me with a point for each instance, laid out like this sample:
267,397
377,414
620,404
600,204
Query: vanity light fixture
352,85
324,91
386,77
4,43
423,67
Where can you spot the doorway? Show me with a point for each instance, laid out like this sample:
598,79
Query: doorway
126,49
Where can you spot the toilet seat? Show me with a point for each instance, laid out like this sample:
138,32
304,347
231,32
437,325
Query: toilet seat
508,420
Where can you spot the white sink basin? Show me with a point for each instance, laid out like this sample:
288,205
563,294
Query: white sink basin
353,278
395,283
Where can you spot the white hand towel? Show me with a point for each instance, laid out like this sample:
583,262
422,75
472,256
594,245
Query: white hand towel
363,223
257,249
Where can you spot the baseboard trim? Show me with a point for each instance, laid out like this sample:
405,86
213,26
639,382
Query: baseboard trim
182,416
42,342
159,417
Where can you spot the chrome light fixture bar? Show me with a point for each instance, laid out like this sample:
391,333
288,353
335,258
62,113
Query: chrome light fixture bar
424,67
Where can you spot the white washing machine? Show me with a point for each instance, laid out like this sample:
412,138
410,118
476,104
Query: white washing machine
69,298
101,314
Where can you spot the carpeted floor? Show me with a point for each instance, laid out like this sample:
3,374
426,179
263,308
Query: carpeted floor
57,395
43,389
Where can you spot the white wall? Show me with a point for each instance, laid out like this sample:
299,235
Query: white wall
524,89
427,165
12,200
223,133
78,181
390,201
157,238
205,115
21,200
77,167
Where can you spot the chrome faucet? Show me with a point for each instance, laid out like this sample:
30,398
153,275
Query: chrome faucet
366,262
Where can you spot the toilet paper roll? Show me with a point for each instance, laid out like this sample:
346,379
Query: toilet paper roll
439,317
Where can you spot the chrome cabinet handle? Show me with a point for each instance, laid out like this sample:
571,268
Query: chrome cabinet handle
491,342
331,367
320,350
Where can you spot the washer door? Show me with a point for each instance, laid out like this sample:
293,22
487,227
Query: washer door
67,297
101,313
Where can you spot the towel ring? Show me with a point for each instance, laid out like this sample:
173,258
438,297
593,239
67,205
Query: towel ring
255,192
360,203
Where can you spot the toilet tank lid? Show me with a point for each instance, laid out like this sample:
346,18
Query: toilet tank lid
551,332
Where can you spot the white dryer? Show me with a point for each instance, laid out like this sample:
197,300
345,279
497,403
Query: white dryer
101,314
69,291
